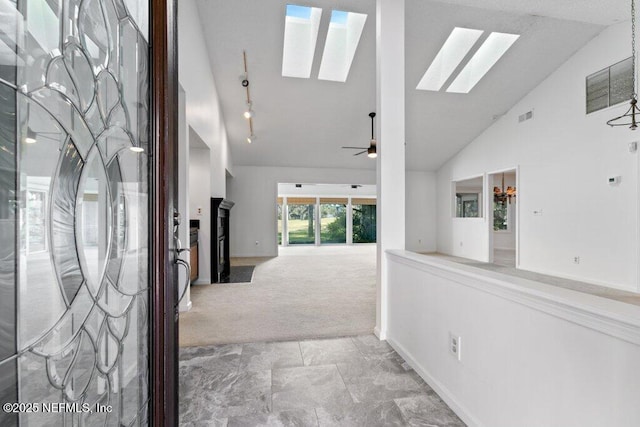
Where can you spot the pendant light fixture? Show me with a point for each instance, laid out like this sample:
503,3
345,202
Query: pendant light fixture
631,117
502,195
371,151
248,113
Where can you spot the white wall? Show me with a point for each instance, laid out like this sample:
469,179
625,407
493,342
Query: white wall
420,213
564,159
255,190
200,201
531,355
203,110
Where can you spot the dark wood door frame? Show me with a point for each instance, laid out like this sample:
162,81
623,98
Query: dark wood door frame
164,129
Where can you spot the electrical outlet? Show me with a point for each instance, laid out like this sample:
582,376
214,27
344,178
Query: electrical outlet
455,345
461,244
199,211
257,243
576,260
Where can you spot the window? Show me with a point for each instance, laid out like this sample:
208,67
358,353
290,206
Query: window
468,198
500,216
301,224
610,86
333,220
364,220
279,214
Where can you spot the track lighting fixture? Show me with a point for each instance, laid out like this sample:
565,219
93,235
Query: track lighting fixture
248,113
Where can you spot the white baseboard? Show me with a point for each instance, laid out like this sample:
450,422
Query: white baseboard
437,386
382,335
201,282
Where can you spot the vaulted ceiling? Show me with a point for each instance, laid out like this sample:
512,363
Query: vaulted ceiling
304,122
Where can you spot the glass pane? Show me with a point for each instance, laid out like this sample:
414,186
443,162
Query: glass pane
8,197
333,223
364,223
500,216
301,224
468,197
8,391
279,224
74,210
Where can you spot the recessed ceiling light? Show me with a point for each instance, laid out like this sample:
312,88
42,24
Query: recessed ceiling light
345,29
489,53
300,35
452,52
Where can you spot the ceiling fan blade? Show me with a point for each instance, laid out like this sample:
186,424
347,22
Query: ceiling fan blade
362,152
357,148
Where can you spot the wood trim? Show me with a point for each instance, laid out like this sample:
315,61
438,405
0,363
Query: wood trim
361,201
334,200
301,200
164,128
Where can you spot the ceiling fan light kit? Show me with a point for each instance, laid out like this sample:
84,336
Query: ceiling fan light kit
371,150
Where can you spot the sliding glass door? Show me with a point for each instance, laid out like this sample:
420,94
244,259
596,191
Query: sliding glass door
333,220
301,220
364,220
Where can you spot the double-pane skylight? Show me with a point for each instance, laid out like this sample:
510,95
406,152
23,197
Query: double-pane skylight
453,51
343,37
489,53
300,35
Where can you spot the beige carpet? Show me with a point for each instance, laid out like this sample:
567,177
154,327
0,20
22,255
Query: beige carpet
306,292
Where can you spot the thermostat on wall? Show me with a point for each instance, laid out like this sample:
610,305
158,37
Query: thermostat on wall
614,180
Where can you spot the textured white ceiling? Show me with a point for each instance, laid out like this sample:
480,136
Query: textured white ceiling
304,122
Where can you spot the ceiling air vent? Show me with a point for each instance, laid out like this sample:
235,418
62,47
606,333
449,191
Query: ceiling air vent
526,116
610,86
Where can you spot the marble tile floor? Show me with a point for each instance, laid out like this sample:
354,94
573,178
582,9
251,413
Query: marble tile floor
349,381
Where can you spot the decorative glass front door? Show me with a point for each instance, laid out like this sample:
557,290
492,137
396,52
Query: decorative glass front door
74,212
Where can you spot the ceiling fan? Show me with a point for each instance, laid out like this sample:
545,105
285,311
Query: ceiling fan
371,149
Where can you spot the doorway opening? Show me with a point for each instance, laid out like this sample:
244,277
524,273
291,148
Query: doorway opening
503,218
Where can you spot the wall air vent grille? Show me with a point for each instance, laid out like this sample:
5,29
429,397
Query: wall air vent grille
610,86
526,116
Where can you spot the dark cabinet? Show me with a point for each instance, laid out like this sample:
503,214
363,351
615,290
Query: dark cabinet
193,245
220,215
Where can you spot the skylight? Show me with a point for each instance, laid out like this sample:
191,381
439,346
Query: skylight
453,51
300,35
489,53
340,47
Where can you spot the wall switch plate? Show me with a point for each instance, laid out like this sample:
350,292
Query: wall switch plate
576,260
455,345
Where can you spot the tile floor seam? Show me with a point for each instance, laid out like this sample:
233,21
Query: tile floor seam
301,355
345,384
406,423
